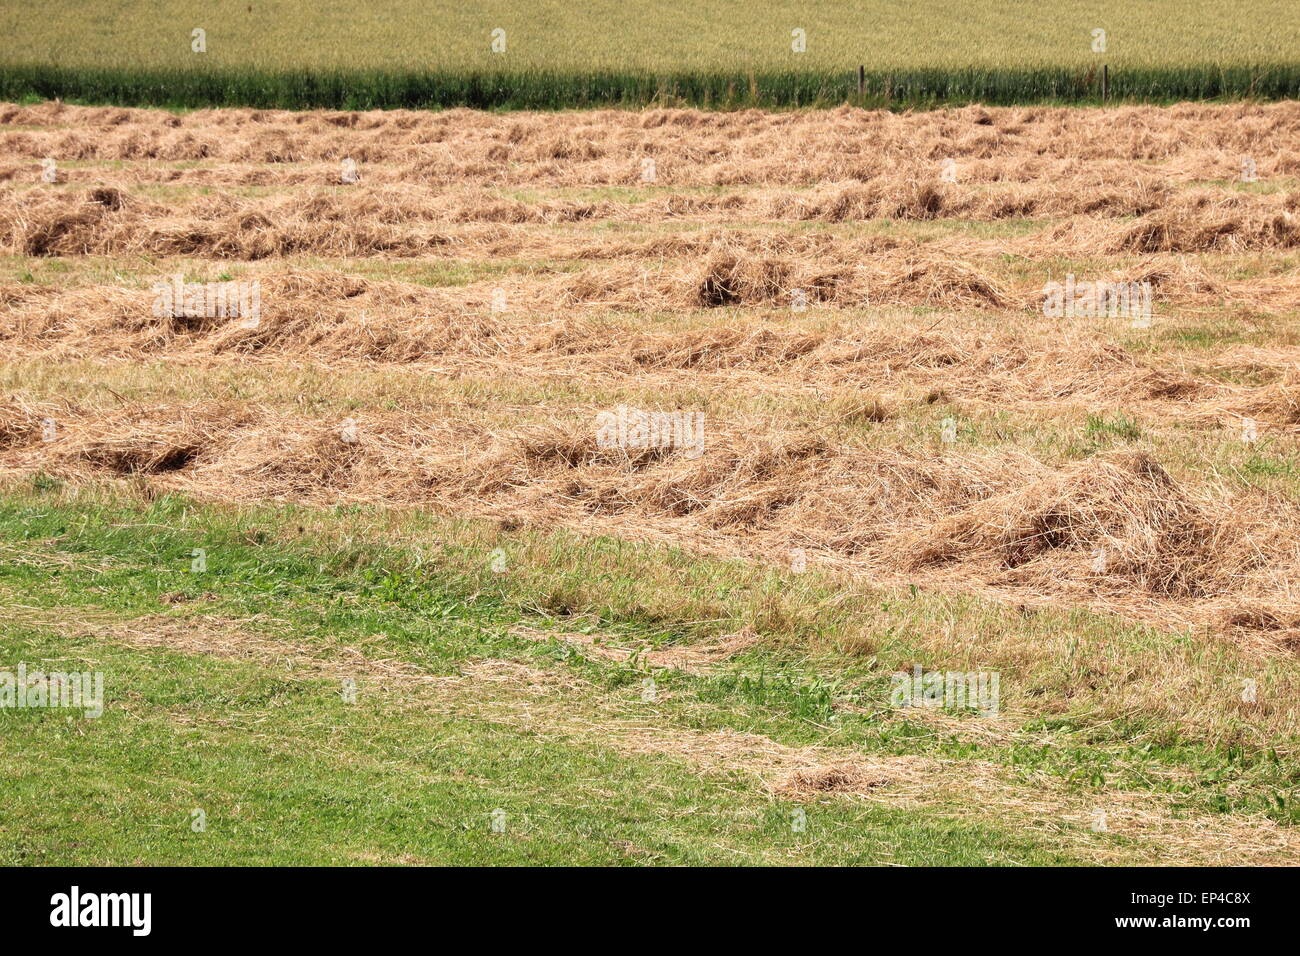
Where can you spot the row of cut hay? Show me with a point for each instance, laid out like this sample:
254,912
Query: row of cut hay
1044,182
736,271
920,194
1097,133
333,317
1270,220
724,278
905,195
1197,141
322,314
384,222
105,221
1005,522
1202,221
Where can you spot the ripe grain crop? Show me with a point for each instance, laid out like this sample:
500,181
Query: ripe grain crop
554,55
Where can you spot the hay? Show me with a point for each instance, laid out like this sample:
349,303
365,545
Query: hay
1202,221
686,285
1123,505
809,783
1005,520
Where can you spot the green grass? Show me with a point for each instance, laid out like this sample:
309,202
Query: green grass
726,54
419,590
551,90
286,773
1120,427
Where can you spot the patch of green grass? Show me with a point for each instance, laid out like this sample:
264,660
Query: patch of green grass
199,761
1203,337
1260,464
1119,427
1259,187
819,675
460,272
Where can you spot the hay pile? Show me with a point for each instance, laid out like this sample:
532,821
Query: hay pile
1202,221
1007,521
109,222
1123,506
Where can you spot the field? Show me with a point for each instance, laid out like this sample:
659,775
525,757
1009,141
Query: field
367,584
552,54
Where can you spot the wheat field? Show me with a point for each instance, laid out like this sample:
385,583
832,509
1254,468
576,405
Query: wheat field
550,35
557,55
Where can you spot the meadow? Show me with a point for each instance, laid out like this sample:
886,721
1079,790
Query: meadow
367,584
725,54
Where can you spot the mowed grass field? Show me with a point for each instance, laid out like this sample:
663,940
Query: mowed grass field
431,600
551,54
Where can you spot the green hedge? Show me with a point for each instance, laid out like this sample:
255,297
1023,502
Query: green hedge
372,89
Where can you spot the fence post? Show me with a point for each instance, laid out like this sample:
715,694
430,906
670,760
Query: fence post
862,80
1105,82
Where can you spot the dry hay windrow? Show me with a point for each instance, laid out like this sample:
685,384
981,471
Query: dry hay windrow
336,318
1115,531
414,221
720,271
1192,142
